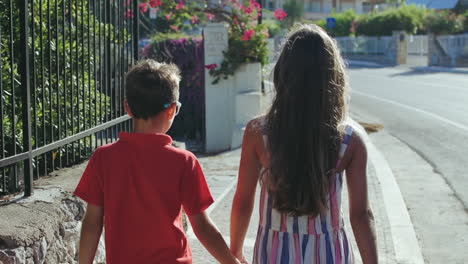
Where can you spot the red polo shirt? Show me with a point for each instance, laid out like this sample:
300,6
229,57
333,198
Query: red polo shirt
142,182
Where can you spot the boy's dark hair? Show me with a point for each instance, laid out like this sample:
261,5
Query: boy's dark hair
149,86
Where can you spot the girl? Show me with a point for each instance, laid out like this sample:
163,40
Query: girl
300,152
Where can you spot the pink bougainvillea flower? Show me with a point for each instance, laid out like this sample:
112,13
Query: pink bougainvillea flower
128,2
248,35
143,7
168,16
180,5
129,14
255,5
194,19
146,50
175,28
155,3
211,66
280,14
210,16
247,10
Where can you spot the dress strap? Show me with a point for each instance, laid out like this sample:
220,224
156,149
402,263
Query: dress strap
345,142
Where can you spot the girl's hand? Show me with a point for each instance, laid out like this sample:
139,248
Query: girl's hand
242,259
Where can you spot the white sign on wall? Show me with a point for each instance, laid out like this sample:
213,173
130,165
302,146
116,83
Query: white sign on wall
216,41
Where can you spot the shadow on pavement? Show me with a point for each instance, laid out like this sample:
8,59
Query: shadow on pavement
430,70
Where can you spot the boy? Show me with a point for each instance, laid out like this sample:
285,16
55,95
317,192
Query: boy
137,186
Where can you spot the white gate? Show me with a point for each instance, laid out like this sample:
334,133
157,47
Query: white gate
417,50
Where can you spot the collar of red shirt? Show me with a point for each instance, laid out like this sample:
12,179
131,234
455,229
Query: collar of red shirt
145,139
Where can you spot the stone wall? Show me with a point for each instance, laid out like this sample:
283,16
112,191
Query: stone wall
45,228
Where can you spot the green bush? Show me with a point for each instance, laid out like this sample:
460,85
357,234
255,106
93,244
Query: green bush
465,21
444,22
295,11
344,22
274,28
409,18
321,23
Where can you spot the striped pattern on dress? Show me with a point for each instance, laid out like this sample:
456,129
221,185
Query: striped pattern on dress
283,239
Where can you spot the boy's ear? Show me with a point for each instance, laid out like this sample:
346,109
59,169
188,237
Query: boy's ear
127,108
170,112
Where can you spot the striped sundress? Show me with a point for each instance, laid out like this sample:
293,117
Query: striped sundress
283,239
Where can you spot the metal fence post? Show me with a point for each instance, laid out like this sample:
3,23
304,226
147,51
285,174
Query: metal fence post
25,94
136,33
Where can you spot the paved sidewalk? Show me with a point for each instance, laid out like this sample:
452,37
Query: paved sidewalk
221,173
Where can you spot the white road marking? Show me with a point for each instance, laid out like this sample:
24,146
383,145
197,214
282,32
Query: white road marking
442,119
407,249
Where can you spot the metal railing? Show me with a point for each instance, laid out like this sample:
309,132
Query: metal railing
455,46
364,45
61,83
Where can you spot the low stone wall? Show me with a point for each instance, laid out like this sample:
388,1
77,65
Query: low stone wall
45,228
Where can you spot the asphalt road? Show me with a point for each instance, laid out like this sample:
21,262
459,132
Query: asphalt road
427,111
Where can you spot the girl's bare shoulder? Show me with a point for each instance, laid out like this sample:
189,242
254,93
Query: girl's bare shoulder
256,126
356,149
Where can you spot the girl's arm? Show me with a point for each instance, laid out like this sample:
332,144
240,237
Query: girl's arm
244,198
362,219
91,230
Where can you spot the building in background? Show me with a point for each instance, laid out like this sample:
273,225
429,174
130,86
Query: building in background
319,9
459,5
377,5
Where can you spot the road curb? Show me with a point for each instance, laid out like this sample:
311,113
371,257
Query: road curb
407,249
370,64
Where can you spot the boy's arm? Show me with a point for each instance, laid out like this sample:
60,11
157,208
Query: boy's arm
211,238
91,230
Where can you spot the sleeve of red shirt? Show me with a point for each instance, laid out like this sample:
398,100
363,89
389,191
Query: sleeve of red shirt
90,187
196,195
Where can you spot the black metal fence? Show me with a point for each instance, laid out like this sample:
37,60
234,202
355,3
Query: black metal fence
61,83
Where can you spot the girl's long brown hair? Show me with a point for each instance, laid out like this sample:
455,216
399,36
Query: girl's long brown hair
304,125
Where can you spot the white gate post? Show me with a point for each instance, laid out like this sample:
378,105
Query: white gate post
218,98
